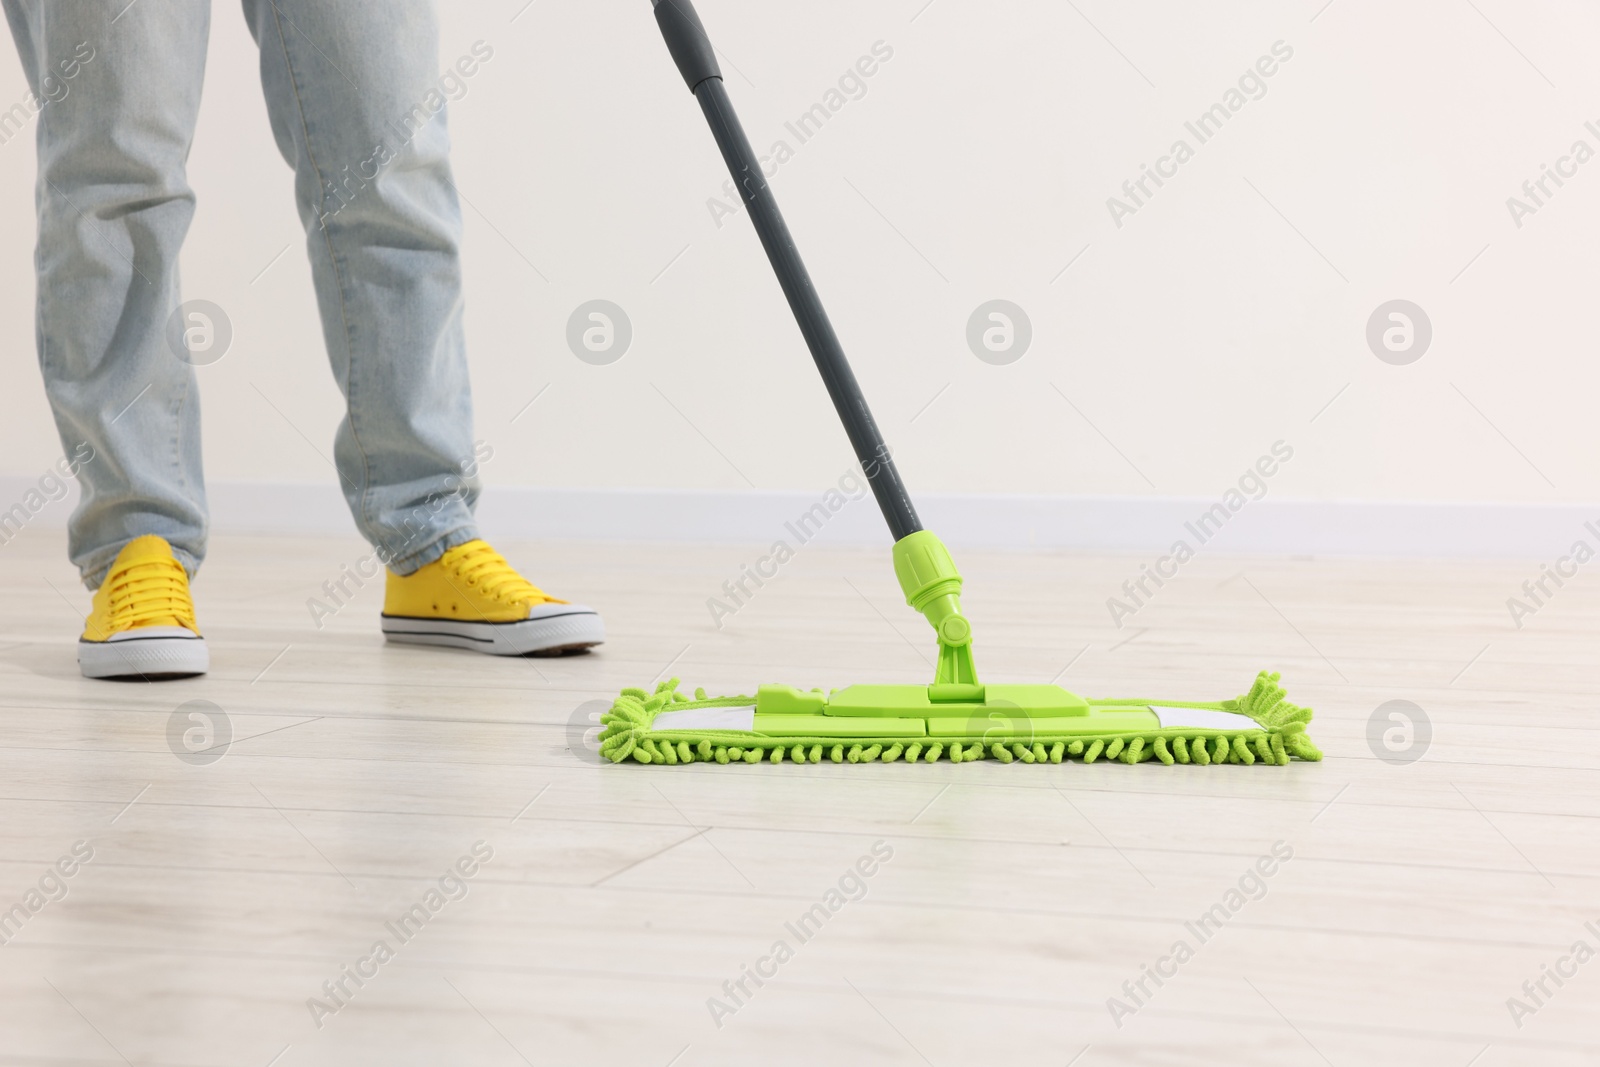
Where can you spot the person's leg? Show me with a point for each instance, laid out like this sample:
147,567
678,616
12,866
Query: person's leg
118,87
352,90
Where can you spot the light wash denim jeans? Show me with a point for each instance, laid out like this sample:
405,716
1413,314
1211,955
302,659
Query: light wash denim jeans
350,91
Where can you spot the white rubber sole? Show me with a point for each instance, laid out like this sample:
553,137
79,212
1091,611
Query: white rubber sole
552,630
149,652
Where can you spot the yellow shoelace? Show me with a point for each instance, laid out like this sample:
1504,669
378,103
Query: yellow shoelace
482,568
153,590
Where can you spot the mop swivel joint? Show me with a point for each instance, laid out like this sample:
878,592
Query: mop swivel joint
932,586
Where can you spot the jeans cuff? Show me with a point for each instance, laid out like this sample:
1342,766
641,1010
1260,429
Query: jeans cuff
442,543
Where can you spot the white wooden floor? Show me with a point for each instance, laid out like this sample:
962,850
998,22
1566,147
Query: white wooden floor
221,896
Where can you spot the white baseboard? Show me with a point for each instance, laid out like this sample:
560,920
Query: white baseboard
1013,521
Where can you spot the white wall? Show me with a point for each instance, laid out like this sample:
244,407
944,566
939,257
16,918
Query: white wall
1204,329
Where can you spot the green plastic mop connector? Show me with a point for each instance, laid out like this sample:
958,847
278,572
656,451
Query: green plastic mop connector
932,586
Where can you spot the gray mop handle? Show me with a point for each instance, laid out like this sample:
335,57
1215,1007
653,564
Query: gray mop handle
697,62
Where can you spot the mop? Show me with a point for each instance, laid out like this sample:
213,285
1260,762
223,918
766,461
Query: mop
956,718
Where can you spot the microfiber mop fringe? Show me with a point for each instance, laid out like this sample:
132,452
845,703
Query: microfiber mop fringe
628,733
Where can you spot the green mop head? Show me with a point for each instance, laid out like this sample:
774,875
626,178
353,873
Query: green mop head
1033,724
956,718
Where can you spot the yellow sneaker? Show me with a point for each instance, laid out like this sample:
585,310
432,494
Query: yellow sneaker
142,623
472,598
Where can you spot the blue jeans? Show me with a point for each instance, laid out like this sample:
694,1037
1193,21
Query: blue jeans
351,91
